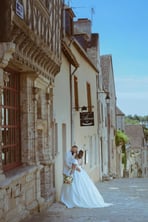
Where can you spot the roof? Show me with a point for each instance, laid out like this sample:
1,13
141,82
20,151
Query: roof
136,135
71,12
119,112
69,55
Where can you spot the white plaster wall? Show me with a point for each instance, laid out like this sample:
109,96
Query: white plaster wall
61,107
83,135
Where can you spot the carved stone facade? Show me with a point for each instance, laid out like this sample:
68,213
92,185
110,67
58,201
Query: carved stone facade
32,52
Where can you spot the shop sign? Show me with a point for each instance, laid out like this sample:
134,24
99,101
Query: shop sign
86,118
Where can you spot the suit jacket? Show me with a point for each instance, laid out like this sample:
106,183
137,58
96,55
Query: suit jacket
68,163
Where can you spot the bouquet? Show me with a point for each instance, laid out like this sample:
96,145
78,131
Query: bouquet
68,179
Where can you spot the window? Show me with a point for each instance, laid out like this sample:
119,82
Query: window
89,97
39,110
10,107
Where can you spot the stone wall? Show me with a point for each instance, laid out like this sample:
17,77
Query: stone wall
19,194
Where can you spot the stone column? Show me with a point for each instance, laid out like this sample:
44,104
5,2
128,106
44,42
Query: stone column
28,118
49,97
6,51
47,173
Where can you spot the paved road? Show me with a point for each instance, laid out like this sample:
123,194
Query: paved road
129,198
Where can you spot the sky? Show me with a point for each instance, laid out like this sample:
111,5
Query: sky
122,26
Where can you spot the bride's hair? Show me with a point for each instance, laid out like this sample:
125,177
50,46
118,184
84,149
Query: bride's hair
80,154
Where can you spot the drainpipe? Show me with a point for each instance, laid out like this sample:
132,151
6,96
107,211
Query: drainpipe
71,100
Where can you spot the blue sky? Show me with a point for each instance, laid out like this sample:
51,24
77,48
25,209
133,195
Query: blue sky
123,29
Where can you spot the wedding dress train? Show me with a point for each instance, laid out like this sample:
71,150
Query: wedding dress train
82,192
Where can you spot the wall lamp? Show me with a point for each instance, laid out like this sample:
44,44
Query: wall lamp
83,108
107,98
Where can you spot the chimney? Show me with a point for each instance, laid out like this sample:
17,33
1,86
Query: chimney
83,26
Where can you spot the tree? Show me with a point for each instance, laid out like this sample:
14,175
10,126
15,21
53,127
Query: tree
130,120
121,138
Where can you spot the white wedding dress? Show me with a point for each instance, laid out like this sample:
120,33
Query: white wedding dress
82,192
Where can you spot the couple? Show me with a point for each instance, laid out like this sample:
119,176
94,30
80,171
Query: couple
80,191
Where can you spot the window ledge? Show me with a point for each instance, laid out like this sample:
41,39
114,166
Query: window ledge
15,174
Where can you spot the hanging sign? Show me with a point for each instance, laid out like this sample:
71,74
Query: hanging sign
87,119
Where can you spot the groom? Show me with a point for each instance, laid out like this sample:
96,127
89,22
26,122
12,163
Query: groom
70,155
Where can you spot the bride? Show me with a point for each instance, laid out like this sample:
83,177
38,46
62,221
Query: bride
82,192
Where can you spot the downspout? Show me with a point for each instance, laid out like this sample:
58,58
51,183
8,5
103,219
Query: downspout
71,100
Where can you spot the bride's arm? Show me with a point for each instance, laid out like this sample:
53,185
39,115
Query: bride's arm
75,167
80,162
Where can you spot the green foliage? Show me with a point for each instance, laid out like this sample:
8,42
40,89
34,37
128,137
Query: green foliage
120,138
131,121
145,133
136,119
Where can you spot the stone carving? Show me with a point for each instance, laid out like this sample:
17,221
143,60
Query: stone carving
37,37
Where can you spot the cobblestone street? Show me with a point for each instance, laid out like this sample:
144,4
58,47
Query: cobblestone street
129,198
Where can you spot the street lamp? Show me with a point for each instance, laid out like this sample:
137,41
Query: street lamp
107,98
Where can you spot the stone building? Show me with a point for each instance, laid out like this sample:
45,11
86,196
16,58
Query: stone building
120,120
109,88
30,58
136,149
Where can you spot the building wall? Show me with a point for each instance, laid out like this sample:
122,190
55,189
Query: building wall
109,87
86,137
62,116
145,161
120,122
